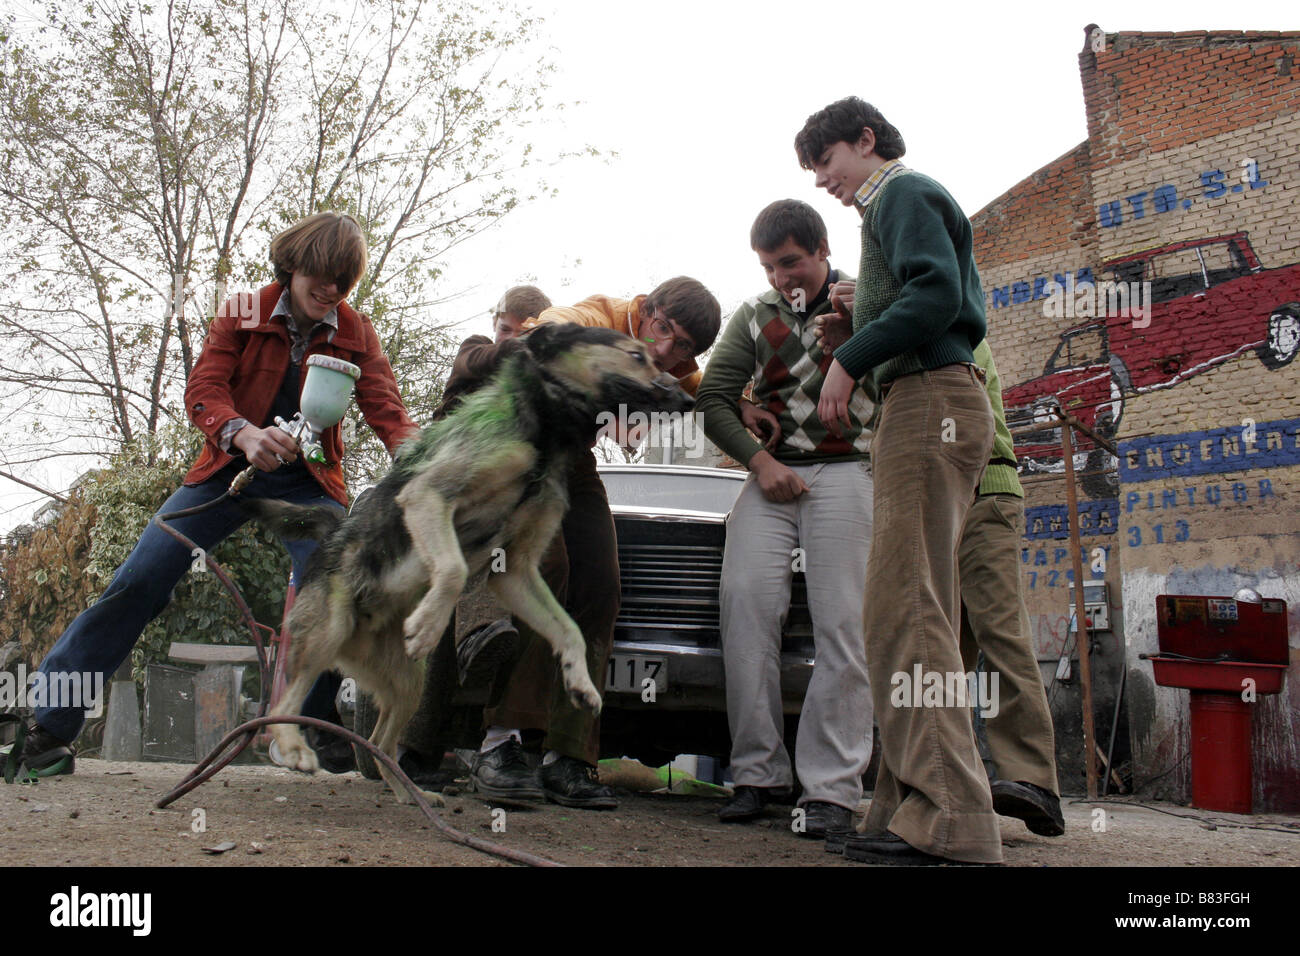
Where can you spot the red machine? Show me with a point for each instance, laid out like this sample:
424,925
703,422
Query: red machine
1226,651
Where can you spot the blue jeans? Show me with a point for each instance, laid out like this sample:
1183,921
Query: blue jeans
102,636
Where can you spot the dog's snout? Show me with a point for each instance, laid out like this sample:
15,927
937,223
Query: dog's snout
672,397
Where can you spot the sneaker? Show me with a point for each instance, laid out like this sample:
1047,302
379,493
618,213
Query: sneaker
42,754
503,773
333,752
480,654
572,783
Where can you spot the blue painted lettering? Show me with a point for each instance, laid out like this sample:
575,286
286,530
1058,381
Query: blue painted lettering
1213,183
1164,198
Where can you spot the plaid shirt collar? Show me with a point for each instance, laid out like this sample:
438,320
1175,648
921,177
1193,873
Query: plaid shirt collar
867,191
298,344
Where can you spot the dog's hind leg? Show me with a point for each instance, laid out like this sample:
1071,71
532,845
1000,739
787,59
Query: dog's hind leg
321,622
522,590
289,741
428,518
395,684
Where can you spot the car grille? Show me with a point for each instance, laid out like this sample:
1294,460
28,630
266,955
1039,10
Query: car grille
670,574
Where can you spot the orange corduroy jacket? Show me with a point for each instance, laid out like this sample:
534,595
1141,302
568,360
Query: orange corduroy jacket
243,363
622,315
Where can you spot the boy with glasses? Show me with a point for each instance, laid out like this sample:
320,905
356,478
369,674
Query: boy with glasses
677,321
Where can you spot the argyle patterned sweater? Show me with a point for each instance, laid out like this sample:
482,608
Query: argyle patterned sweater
766,341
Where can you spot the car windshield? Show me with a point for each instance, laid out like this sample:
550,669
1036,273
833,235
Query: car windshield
1224,261
1176,274
1079,349
653,489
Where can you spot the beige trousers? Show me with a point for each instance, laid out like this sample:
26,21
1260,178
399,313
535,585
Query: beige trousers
995,621
933,440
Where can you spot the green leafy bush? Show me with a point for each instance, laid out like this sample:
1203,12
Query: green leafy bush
52,574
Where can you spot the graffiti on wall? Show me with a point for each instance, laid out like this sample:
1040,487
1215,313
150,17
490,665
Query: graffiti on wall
1210,184
1210,301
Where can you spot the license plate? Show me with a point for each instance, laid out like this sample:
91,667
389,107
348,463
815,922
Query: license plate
630,674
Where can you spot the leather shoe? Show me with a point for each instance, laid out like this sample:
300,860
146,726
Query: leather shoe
888,849
333,753
424,771
1039,808
482,653
746,803
835,837
572,783
503,773
820,817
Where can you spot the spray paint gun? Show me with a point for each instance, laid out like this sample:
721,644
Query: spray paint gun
326,393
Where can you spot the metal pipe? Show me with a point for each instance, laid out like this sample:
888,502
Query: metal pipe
1085,668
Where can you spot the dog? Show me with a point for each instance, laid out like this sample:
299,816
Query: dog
488,481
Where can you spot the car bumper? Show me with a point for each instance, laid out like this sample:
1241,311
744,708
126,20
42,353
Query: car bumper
696,677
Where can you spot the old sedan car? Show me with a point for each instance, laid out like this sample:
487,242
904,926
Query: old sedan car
664,688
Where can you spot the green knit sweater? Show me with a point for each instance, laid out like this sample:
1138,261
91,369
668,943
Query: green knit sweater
1000,475
919,303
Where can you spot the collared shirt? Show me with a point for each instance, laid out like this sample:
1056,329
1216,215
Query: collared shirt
877,179
832,277
297,349
297,343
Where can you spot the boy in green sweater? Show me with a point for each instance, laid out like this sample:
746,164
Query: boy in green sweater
918,314
994,619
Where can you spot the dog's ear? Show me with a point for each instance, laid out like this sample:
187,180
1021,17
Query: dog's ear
547,341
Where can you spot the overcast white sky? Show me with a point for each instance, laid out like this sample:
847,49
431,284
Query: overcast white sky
700,102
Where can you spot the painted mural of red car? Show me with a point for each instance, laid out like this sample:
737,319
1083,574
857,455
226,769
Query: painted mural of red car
1203,303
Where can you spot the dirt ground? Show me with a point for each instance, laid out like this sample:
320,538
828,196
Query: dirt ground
104,816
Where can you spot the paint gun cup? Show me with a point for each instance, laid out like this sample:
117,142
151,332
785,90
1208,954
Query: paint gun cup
326,393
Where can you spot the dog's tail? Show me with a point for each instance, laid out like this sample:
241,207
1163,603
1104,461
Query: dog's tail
295,522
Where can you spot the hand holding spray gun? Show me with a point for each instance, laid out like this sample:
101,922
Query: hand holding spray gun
326,393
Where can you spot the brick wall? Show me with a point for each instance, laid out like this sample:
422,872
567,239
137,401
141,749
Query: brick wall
1192,163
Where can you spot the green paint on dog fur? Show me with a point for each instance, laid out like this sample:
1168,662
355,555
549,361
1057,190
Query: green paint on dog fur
483,421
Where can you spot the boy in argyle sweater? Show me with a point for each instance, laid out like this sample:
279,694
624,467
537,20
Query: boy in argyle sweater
918,314
806,505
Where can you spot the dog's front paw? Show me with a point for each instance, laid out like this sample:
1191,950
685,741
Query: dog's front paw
423,630
417,647
582,692
295,754
435,798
